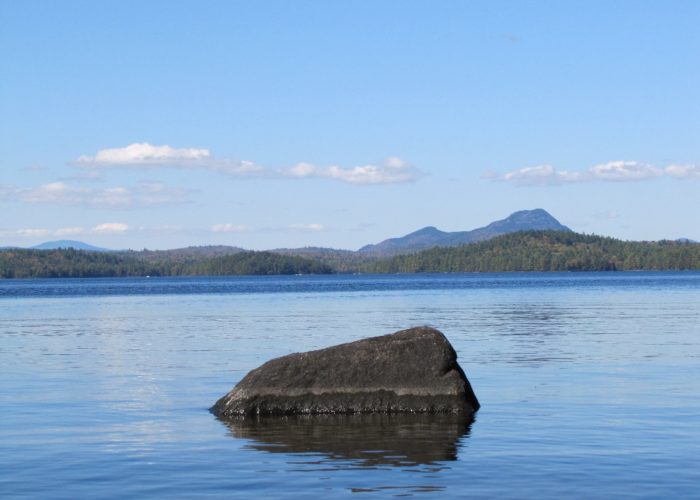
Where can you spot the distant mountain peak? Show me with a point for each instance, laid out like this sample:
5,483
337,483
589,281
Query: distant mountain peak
77,245
535,213
428,230
525,220
430,236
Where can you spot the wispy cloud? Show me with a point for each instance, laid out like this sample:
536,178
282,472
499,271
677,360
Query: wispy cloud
623,171
683,171
613,171
44,232
390,171
110,228
33,233
229,228
243,228
150,194
106,228
540,174
313,227
144,155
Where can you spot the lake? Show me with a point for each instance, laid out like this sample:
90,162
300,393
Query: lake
589,385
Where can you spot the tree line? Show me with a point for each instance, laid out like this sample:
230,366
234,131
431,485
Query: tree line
547,251
523,251
71,263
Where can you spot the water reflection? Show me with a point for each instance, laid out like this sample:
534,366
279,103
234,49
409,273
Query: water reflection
370,440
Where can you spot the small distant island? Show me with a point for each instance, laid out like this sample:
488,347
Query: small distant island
529,240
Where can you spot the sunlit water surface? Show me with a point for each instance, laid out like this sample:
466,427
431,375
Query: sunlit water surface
589,385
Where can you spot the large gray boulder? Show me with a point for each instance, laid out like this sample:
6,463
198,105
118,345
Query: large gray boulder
411,371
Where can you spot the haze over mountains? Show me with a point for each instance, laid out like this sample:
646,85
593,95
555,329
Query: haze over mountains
428,237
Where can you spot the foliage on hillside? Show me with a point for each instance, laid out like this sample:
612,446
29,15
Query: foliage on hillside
525,251
70,263
547,251
341,261
66,263
181,255
259,263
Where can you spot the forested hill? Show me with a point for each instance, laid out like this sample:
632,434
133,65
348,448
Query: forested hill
547,251
71,263
524,251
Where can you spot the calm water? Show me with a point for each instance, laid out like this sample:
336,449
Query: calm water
589,385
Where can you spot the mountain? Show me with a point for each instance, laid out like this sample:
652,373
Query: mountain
518,251
428,237
312,251
77,245
543,251
342,261
187,254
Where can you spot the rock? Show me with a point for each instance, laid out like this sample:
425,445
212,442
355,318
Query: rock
411,371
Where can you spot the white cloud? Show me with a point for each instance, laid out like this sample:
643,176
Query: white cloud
308,227
229,228
683,171
110,228
118,197
144,153
613,171
390,171
624,171
233,167
541,174
302,170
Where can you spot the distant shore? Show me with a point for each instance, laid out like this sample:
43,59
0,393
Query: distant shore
537,251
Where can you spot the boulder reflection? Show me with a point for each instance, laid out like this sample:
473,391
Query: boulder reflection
375,439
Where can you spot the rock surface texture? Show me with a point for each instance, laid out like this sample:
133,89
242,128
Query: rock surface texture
411,371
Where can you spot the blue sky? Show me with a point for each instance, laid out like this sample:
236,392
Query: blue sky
284,124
